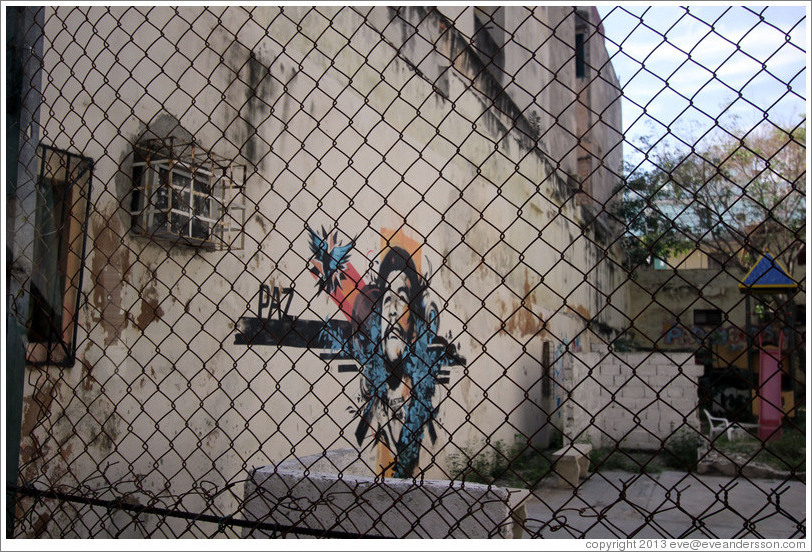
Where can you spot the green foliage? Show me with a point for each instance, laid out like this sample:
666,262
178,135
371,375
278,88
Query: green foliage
680,450
786,453
650,233
732,195
557,439
523,465
519,465
614,458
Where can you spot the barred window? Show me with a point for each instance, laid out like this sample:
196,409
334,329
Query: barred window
182,194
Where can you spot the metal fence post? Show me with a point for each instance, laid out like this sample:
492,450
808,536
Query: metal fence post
23,73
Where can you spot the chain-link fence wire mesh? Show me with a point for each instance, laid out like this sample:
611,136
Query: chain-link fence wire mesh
324,271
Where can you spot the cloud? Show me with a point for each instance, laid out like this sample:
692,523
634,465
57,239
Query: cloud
713,50
708,55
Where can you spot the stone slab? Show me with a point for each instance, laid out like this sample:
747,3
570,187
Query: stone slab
325,492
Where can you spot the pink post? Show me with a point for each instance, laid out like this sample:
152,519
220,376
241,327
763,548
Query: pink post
769,391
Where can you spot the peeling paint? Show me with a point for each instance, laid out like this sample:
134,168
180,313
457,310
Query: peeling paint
66,452
150,307
88,380
523,321
39,527
581,310
37,406
36,411
111,261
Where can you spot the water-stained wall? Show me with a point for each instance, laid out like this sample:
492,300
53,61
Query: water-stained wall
362,130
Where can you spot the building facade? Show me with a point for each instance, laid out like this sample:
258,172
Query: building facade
293,230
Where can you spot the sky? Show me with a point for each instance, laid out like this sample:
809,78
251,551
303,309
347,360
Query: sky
686,67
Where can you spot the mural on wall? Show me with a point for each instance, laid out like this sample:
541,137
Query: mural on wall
730,335
389,332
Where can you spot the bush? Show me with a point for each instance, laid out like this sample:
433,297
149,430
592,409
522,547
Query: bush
680,450
785,453
788,452
613,458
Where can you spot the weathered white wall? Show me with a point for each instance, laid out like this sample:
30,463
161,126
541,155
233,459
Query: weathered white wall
338,131
630,400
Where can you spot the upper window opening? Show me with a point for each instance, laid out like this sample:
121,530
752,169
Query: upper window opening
580,56
489,38
707,317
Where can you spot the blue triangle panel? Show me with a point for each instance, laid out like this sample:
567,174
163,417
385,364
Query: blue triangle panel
768,273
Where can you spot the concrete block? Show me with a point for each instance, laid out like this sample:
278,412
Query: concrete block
634,390
336,492
620,380
572,464
667,370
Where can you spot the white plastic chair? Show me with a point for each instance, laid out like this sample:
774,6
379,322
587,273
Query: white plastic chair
718,425
739,430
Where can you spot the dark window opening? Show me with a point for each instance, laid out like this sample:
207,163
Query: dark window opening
800,314
580,56
707,317
786,381
489,39
546,387
63,189
704,357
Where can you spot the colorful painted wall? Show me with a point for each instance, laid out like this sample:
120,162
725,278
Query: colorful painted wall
665,321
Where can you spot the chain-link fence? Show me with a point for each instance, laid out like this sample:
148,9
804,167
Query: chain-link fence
385,272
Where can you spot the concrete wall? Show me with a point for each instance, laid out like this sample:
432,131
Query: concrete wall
662,308
380,142
359,503
662,304
630,400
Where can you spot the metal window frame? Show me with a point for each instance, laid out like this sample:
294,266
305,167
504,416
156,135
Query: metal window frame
68,346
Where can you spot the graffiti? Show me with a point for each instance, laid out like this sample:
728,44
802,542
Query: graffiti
728,400
729,336
394,339
389,333
329,262
274,301
278,326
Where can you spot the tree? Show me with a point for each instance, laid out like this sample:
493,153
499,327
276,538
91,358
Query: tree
731,196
